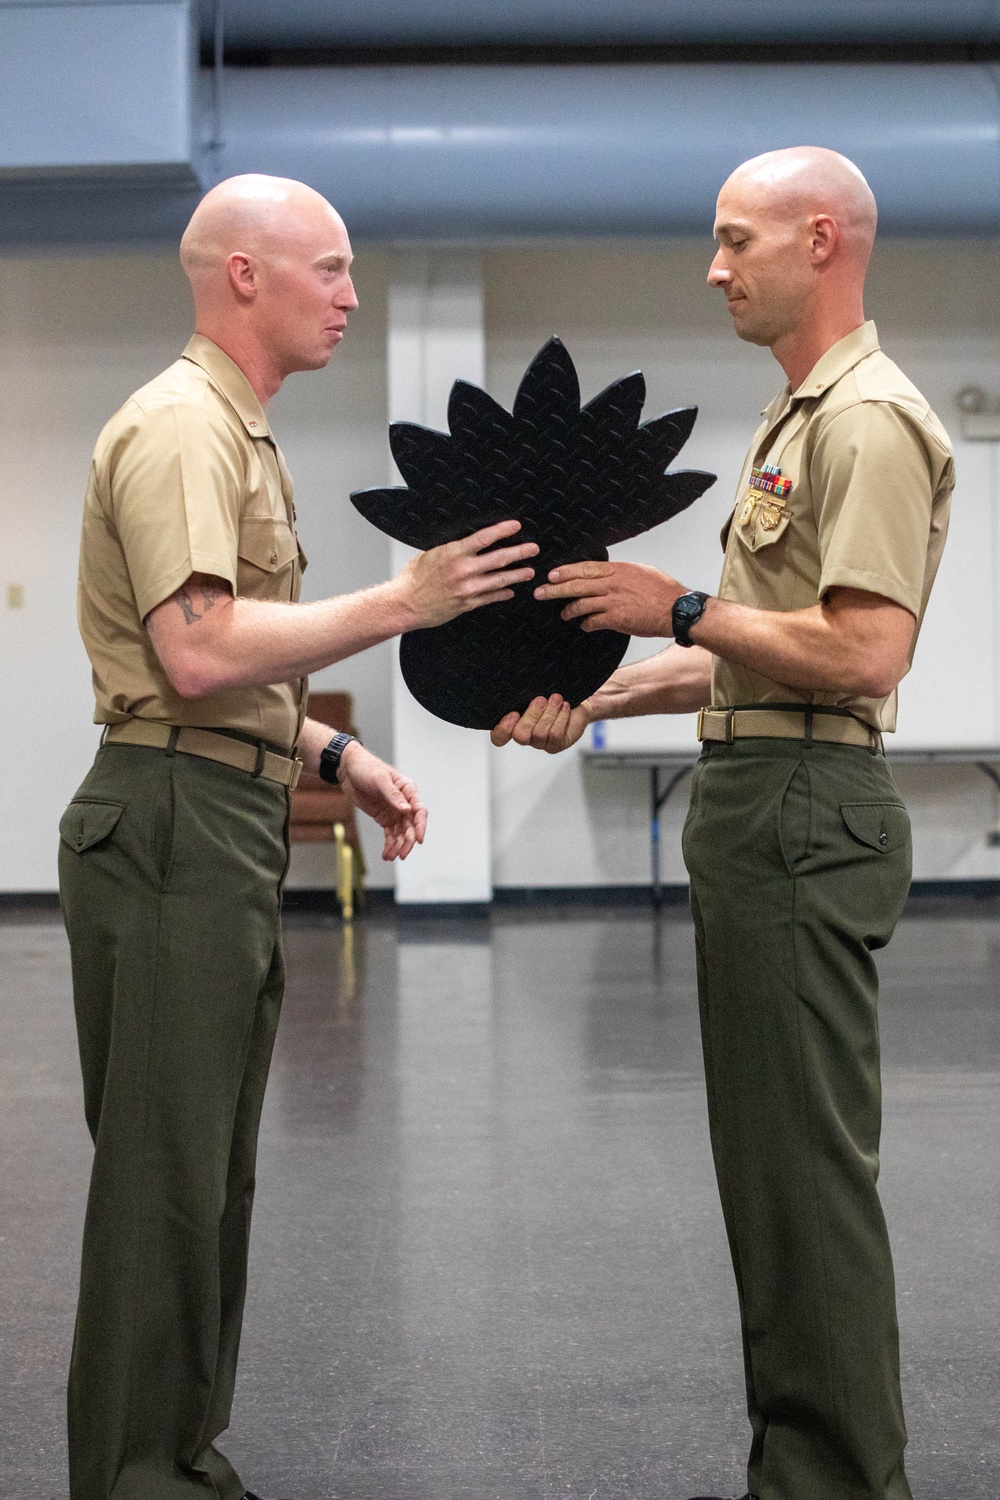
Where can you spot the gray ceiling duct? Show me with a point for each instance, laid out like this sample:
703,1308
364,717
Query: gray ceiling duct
341,23
492,154
486,154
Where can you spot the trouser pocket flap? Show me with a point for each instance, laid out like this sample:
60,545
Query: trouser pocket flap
880,825
84,824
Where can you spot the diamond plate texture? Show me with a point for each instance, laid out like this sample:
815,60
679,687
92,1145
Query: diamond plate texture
577,480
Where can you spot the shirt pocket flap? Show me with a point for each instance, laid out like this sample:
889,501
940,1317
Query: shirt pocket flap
880,825
267,543
84,824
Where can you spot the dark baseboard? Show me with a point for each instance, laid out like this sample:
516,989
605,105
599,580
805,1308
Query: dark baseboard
674,894
967,890
566,897
382,901
588,895
29,900
324,899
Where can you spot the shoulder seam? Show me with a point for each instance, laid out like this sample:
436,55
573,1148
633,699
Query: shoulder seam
898,404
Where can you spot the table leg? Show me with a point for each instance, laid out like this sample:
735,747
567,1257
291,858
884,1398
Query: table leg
654,832
658,800
993,834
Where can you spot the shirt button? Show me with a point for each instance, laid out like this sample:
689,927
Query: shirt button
883,838
79,838
274,558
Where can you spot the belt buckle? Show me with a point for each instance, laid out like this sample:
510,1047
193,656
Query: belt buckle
293,780
701,723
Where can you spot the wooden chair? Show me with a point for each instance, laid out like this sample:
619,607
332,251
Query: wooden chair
323,814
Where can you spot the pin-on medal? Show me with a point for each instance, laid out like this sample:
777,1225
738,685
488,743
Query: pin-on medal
769,490
749,506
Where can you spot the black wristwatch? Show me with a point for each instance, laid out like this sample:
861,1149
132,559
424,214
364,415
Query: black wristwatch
330,757
687,611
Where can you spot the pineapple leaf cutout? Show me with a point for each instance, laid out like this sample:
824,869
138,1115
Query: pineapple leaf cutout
577,480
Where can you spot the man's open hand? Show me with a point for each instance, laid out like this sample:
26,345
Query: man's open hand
614,596
549,724
447,581
386,795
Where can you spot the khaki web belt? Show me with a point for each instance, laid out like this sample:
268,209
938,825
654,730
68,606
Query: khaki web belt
255,759
825,725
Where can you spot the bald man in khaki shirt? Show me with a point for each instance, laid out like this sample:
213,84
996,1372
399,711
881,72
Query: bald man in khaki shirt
797,842
186,480
174,849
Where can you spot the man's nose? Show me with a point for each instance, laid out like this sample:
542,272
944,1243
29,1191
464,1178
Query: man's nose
350,301
718,272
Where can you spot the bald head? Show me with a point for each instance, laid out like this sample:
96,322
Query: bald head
269,262
260,216
795,230
805,182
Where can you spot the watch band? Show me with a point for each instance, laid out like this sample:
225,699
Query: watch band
687,611
330,756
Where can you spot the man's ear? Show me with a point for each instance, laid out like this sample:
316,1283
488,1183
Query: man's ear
824,238
242,275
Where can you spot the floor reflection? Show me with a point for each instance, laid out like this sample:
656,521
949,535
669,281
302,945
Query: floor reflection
488,1258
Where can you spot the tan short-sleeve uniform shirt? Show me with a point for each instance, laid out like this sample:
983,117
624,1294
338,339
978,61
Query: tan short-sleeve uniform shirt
847,483
186,478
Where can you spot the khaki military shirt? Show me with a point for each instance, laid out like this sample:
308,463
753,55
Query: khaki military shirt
186,478
847,483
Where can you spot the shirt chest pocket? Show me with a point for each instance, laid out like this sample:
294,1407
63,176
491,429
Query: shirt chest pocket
761,518
267,559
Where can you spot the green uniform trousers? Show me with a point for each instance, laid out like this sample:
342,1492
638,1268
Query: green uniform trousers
170,876
799,857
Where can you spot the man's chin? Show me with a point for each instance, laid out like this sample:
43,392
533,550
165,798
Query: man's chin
313,359
753,333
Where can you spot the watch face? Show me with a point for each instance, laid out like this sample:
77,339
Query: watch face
689,607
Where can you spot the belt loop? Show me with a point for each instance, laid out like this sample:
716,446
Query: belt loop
809,725
171,745
730,716
261,752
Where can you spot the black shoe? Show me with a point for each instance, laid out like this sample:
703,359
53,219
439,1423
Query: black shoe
249,1495
693,1497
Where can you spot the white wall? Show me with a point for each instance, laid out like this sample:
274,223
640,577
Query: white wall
332,428
436,337
77,334
558,821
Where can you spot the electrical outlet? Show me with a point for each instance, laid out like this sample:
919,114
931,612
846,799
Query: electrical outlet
993,839
15,596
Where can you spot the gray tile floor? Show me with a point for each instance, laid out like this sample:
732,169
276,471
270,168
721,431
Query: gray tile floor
488,1257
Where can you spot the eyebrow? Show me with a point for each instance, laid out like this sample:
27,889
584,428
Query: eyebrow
731,226
333,260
